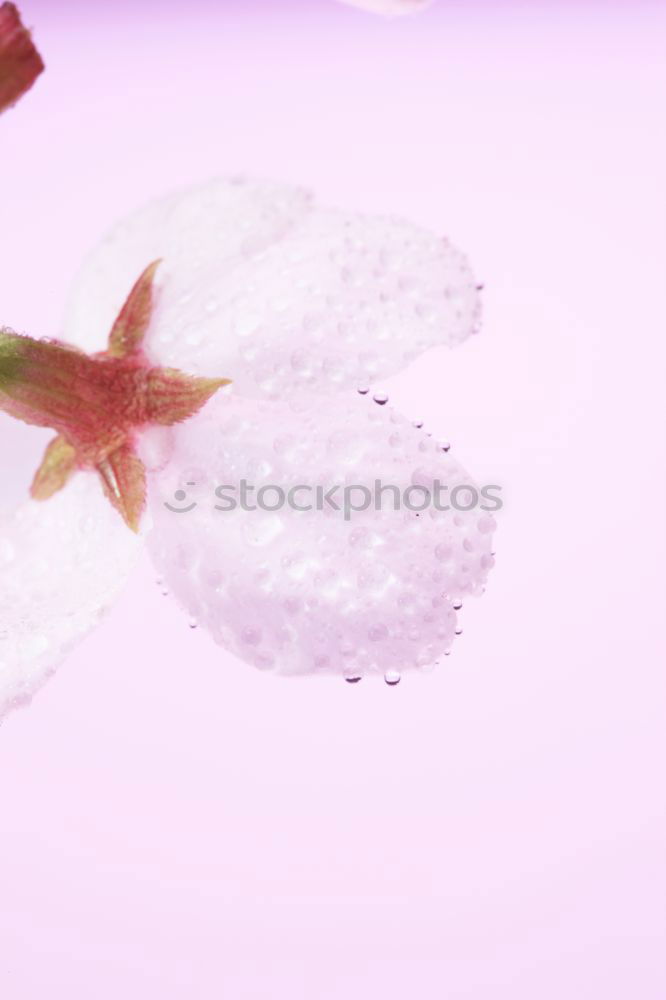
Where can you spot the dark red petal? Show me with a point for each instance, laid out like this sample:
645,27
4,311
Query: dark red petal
20,62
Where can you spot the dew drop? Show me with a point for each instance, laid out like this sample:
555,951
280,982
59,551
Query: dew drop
392,677
192,622
381,398
458,631
363,390
353,680
418,424
250,635
444,446
457,604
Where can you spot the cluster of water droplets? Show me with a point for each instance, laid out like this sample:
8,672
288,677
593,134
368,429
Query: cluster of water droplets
299,305
296,591
259,284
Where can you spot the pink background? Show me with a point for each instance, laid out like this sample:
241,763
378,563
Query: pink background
174,824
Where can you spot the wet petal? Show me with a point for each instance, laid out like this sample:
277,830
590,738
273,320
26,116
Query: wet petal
300,591
62,564
306,300
219,225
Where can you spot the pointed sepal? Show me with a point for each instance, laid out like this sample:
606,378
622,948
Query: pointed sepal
133,320
57,466
20,62
172,396
123,478
50,384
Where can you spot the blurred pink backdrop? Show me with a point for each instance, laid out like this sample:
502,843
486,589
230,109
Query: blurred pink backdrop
176,825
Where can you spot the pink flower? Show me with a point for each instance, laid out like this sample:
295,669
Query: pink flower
299,306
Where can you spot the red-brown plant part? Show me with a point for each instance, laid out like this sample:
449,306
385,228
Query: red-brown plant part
98,403
20,62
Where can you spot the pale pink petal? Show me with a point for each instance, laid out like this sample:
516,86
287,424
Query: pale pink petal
282,298
306,592
62,564
390,8
219,226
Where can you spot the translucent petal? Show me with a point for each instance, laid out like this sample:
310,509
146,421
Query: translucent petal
62,563
316,591
216,226
306,300
391,8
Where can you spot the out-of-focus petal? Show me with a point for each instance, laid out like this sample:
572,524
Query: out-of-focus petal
391,8
20,62
62,564
218,226
311,591
279,297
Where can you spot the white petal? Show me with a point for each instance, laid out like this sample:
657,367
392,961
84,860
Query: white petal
391,8
302,592
214,227
62,564
318,301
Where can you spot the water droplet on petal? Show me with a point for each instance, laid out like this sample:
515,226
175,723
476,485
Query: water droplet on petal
250,635
353,679
381,398
392,677
192,622
457,604
363,390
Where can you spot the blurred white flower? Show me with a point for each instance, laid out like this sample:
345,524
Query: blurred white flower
391,8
